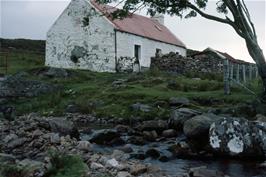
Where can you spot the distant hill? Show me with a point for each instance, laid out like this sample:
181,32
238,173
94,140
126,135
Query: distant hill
23,44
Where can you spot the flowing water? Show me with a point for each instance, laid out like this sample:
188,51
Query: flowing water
177,167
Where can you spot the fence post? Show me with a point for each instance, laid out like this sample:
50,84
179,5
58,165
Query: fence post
250,71
226,77
231,67
237,72
244,73
256,72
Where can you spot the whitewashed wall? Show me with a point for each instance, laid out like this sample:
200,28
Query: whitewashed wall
92,43
126,43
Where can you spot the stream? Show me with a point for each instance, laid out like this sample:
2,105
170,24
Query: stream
177,167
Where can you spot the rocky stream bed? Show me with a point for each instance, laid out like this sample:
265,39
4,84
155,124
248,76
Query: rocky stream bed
190,143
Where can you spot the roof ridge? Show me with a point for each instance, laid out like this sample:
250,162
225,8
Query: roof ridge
139,25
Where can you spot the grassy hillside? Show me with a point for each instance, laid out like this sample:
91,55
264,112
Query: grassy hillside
96,93
23,44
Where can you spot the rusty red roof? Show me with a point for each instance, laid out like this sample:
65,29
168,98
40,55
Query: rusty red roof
141,26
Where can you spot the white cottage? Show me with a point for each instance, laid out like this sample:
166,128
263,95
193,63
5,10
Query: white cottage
85,37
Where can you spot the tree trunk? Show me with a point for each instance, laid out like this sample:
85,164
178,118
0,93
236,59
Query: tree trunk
257,55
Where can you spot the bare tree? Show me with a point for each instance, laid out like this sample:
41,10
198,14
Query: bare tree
235,14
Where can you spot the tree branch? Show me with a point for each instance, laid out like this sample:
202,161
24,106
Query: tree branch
214,18
208,16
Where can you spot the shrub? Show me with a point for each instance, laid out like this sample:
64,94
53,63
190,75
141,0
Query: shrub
63,165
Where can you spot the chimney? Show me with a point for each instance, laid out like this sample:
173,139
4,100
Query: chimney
159,18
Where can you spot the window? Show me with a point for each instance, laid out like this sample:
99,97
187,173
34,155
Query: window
158,51
137,52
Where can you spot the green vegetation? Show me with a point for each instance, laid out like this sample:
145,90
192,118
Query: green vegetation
20,60
94,92
63,165
23,44
11,170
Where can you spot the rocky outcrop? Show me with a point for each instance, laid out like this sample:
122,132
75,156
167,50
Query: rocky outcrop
18,86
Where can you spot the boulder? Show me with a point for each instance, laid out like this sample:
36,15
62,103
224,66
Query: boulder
181,101
138,169
120,83
16,143
137,140
96,166
55,138
112,163
84,146
104,137
157,125
126,148
141,107
56,73
119,155
72,108
62,126
123,174
260,118
179,116
204,172
122,128
198,126
153,153
169,133
238,137
150,135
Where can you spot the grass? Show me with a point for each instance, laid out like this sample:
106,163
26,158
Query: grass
20,60
86,88
63,165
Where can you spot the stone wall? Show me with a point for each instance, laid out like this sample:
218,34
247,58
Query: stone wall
204,63
176,63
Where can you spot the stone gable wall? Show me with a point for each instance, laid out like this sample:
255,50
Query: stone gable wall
81,39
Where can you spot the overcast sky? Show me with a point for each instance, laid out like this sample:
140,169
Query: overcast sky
32,18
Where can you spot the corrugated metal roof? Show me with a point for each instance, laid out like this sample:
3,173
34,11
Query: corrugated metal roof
141,26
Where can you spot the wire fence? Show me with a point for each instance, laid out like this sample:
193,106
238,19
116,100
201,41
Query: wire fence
3,62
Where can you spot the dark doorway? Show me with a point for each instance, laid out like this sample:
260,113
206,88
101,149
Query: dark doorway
137,52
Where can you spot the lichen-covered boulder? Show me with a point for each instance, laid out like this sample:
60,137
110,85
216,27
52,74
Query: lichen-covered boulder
238,137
